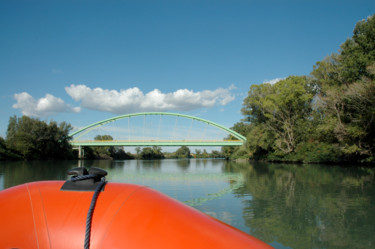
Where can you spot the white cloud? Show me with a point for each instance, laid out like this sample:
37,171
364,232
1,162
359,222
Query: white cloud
273,81
134,100
42,107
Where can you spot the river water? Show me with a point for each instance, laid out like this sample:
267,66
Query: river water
287,206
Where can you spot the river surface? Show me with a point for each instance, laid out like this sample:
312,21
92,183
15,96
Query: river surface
287,206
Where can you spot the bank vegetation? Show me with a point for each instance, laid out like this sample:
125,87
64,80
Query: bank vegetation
327,116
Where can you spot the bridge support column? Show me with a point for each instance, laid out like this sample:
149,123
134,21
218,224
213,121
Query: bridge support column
81,152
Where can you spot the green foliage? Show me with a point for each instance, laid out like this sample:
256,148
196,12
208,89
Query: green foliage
103,138
138,151
103,152
7,154
358,52
216,154
326,72
241,128
118,153
259,141
35,139
106,152
359,116
317,152
327,117
240,153
228,151
183,152
277,110
148,153
347,96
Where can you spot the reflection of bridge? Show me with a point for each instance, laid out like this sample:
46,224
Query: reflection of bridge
156,129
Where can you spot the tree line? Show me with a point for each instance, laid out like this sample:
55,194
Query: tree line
32,139
327,116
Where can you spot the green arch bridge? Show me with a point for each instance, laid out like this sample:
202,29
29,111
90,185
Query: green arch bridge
156,126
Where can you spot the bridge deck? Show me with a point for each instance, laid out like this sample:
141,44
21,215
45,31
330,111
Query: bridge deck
157,143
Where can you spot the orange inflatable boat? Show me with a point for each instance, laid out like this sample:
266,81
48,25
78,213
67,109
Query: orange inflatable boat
54,214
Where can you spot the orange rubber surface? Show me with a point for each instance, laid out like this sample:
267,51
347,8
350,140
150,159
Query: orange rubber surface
40,215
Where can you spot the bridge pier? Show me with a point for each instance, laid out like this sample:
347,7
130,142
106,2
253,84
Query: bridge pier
81,152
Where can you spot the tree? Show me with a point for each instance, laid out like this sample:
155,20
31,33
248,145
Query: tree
242,128
260,141
35,139
198,153
227,151
326,73
5,153
346,96
216,154
151,153
359,117
119,153
327,117
103,151
279,109
183,152
358,52
205,154
138,150
253,109
107,152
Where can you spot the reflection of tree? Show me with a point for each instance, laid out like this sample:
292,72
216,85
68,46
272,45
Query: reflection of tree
151,165
103,164
20,172
183,164
309,206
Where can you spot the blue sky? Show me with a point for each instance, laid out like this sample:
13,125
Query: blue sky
85,61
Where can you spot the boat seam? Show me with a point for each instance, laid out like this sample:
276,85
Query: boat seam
32,211
45,218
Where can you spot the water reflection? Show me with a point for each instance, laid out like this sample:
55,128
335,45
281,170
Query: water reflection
309,206
19,172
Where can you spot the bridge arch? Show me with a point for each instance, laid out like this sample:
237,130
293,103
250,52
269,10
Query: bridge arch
86,129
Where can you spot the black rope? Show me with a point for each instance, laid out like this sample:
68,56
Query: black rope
84,177
98,189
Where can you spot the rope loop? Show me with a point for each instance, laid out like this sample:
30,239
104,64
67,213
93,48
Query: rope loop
85,177
98,175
